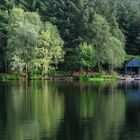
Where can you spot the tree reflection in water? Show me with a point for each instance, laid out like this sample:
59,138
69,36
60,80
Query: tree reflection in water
34,112
40,110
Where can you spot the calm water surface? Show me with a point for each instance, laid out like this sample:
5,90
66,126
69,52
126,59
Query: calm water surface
69,111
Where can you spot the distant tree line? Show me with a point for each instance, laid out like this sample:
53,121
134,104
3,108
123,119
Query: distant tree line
39,36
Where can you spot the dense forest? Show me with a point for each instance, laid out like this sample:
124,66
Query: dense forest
40,36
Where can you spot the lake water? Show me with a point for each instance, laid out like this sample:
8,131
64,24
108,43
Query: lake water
40,110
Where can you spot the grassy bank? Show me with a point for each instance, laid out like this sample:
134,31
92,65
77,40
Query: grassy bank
6,77
61,77
98,77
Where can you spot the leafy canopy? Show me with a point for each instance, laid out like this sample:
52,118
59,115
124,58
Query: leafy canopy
31,44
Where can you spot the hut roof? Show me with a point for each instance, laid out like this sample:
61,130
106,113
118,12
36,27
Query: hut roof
133,63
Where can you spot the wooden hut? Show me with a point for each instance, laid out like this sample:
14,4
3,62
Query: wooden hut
132,67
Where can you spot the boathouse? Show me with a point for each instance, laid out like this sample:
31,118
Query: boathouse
132,67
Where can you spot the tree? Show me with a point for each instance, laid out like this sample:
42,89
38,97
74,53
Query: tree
76,24
128,17
86,56
49,51
117,53
32,46
30,5
23,36
64,14
99,36
3,34
105,43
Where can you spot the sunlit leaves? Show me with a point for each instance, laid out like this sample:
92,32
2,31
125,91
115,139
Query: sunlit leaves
37,45
86,56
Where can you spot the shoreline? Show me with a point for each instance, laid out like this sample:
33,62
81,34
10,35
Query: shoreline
12,77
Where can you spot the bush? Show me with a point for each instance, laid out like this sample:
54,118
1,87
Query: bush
99,77
37,77
4,77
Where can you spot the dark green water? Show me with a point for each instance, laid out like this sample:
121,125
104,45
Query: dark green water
69,111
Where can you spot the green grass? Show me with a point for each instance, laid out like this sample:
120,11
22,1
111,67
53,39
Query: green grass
98,77
37,77
101,79
93,77
8,77
5,77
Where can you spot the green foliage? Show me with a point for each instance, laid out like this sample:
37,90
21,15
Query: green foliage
51,39
100,33
128,19
5,77
117,50
49,52
106,44
86,56
32,46
31,41
98,77
23,36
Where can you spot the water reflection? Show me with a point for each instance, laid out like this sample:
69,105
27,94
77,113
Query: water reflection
131,128
69,111
99,111
34,111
